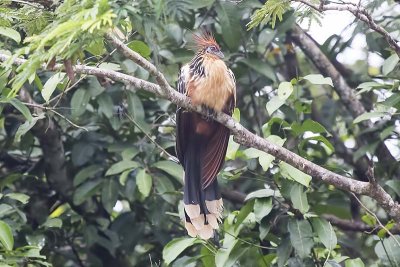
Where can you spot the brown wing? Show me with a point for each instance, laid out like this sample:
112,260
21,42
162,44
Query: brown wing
213,156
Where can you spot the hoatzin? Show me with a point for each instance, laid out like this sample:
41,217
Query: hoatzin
201,142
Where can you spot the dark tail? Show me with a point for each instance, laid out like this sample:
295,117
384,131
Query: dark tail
203,207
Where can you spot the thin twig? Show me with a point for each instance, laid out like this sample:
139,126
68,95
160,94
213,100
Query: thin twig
376,218
171,157
359,13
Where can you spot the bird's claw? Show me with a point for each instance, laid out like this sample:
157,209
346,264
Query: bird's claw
210,113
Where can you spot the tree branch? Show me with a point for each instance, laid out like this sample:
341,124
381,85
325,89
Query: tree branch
359,13
246,138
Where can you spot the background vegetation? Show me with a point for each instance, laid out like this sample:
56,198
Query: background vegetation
87,168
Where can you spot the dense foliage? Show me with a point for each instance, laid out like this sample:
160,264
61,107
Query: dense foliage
87,166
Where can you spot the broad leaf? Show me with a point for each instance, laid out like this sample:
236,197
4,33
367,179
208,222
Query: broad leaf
10,33
285,89
290,172
318,79
388,251
175,247
140,47
171,168
144,182
21,108
262,207
301,236
19,197
51,85
229,16
299,198
389,64
121,166
354,263
325,232
369,115
109,194
6,237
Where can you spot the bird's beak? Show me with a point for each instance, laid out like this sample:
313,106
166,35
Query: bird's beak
220,54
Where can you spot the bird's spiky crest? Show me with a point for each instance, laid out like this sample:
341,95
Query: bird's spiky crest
204,39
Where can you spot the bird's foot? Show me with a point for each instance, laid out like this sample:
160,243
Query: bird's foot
210,113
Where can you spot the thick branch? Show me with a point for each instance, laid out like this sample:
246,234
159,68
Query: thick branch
359,13
246,138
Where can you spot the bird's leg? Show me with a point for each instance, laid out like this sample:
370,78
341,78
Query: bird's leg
210,112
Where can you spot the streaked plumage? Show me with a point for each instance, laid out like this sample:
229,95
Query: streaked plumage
201,143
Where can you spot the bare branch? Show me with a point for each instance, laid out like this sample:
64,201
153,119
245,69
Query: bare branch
359,13
141,61
246,138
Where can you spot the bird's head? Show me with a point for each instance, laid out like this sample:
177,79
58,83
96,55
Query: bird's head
206,44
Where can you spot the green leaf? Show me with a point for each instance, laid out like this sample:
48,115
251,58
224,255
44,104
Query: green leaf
312,126
144,182
264,159
299,198
109,194
262,193
260,67
6,237
319,138
394,185
19,197
318,79
52,223
140,47
369,115
236,114
285,89
135,107
51,85
382,233
283,251
325,232
229,18
22,108
87,172
165,188
122,166
243,214
10,33
274,104
262,207
301,236
290,172
369,219
175,247
171,168
106,105
389,64
232,148
79,101
354,263
386,132
26,126
388,251
391,101
86,190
